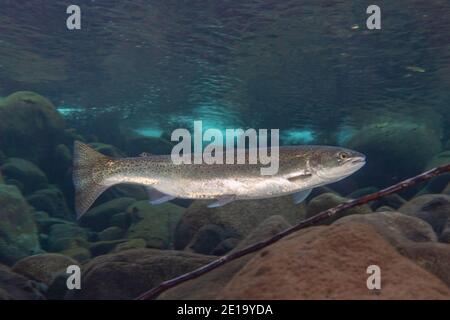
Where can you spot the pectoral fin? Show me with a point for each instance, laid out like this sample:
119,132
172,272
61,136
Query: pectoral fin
221,201
158,197
301,195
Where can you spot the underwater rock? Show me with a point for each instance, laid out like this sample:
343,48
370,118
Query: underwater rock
14,286
52,201
224,246
155,223
392,200
209,236
121,220
81,254
384,208
44,221
329,262
135,146
396,228
18,231
433,257
432,208
395,151
126,274
62,156
238,218
131,244
200,288
30,127
27,173
60,171
97,218
329,200
111,233
60,234
103,247
67,243
43,267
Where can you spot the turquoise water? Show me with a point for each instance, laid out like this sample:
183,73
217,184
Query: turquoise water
309,65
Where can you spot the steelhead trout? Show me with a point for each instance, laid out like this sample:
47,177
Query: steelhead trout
301,168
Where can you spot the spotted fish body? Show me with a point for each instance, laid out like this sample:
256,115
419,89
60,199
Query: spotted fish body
301,168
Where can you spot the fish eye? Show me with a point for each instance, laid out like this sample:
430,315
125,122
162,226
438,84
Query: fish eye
343,155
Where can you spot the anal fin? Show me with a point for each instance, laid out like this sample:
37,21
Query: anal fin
158,197
301,195
222,200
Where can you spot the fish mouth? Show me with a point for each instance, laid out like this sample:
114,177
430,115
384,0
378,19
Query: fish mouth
358,160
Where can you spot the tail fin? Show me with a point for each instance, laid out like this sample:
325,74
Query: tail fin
87,164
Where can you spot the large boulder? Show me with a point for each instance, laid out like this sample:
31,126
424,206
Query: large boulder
433,257
14,286
127,274
98,218
396,150
236,219
30,126
18,231
43,267
52,201
432,208
397,228
155,223
330,262
200,288
27,173
62,236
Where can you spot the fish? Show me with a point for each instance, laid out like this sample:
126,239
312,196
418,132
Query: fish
301,168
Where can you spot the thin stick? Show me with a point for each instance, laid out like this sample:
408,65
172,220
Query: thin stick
153,293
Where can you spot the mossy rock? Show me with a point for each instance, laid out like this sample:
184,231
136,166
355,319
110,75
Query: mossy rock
30,176
30,126
80,254
104,247
63,236
43,267
97,218
155,223
237,218
131,244
19,234
52,201
111,233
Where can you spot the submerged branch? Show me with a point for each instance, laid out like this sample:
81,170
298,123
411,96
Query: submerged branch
153,293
